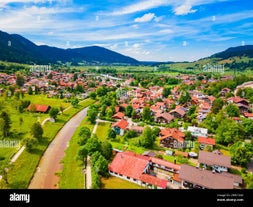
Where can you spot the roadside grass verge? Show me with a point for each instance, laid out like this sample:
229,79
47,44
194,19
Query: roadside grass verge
21,172
71,176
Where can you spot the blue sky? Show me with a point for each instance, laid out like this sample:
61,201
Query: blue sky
155,30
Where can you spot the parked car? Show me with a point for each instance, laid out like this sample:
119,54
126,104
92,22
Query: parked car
193,154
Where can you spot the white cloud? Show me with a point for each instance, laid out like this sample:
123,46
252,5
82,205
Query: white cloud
184,9
213,18
3,3
145,18
114,46
97,18
243,43
126,44
184,43
140,6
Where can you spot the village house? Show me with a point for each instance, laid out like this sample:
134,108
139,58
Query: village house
216,160
178,112
197,131
39,108
143,170
118,115
193,177
172,138
163,118
204,141
243,104
120,127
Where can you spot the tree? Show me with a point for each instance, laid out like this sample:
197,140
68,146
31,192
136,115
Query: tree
53,112
6,123
191,110
20,80
84,134
111,134
241,153
94,158
227,132
166,92
37,130
29,143
30,90
74,102
95,182
93,95
130,134
101,91
188,135
146,114
92,145
247,126
106,149
82,153
232,110
129,110
147,139
217,105
103,110
156,131
92,115
101,166
184,98
36,90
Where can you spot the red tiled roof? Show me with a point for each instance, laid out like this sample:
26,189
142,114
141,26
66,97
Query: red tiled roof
237,99
236,118
116,109
172,132
154,180
204,140
165,163
40,108
129,164
121,124
118,115
133,165
248,114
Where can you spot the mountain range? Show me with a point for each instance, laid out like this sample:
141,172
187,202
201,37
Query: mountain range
15,48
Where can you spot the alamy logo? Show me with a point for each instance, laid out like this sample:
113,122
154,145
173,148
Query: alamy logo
20,197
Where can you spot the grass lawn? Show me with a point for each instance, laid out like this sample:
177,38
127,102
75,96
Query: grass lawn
22,170
102,130
71,176
117,183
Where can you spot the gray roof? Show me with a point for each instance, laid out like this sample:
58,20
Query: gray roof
205,178
210,158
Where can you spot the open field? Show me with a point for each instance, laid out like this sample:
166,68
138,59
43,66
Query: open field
102,130
117,183
21,172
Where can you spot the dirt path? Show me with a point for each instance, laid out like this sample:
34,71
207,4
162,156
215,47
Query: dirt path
45,177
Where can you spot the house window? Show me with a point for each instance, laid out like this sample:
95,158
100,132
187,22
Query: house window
128,178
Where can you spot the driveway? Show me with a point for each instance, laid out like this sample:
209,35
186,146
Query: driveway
45,177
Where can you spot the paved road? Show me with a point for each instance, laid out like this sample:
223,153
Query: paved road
44,177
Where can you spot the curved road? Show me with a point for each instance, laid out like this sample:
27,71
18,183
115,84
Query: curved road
44,177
